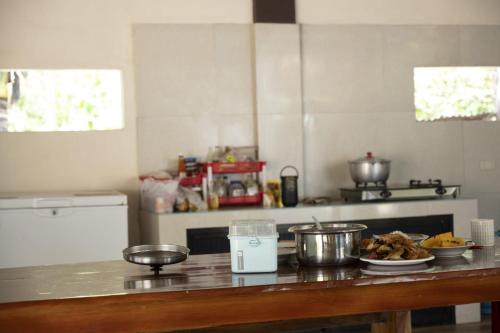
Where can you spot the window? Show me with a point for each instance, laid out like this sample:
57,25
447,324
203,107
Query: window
60,100
457,93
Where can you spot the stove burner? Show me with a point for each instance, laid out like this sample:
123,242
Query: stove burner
375,185
416,189
417,183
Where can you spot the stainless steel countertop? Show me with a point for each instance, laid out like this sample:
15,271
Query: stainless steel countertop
212,272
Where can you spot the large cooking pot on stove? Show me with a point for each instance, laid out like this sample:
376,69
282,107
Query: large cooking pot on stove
370,169
328,244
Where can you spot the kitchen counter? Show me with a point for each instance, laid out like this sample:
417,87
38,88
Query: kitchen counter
202,292
171,228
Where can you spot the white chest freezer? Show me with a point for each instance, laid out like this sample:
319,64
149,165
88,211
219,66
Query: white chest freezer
62,228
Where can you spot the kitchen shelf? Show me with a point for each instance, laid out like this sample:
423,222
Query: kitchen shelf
243,200
240,167
235,167
191,181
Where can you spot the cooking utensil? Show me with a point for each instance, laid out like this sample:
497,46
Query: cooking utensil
289,189
333,244
155,255
370,169
318,225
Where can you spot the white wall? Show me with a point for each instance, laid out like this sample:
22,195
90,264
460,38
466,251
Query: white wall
86,34
358,97
98,34
194,90
398,12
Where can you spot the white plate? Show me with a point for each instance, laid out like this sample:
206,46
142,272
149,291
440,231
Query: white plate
396,270
395,262
448,252
417,238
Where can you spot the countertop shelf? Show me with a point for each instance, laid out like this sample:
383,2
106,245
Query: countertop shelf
202,292
211,272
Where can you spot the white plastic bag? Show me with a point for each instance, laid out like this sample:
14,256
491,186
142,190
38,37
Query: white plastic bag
158,196
194,199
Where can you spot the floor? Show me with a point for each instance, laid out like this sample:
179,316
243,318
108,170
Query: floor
482,327
347,326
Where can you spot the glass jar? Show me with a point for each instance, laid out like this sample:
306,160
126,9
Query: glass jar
220,187
236,189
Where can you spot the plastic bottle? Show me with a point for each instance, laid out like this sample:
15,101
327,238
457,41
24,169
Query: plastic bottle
181,166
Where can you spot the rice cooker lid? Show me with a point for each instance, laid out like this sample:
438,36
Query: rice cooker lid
253,228
328,228
369,158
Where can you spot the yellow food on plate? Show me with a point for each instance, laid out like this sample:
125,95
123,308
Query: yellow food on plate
443,240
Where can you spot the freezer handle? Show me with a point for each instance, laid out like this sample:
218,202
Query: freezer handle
52,203
54,212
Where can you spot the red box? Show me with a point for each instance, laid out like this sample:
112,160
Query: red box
236,167
195,180
243,200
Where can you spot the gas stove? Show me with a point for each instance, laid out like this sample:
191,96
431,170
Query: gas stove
416,189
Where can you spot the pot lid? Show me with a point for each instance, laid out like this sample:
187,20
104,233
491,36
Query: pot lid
327,228
370,158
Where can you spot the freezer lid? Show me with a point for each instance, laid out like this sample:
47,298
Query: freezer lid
62,199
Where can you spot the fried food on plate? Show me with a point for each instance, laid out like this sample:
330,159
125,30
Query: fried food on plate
393,246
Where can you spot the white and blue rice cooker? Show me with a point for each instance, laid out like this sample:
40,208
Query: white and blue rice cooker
254,246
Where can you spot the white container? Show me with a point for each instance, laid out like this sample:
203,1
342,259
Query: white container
62,228
254,246
483,232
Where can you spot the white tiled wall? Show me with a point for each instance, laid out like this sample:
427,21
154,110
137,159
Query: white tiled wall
406,47
342,69
194,90
314,96
417,151
358,97
480,45
279,97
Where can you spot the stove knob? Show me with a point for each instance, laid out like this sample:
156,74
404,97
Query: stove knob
440,190
385,194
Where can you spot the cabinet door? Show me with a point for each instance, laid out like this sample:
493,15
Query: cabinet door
208,240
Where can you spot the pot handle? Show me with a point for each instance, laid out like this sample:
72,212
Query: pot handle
289,167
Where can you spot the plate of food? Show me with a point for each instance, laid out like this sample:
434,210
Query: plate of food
417,238
446,245
396,270
394,249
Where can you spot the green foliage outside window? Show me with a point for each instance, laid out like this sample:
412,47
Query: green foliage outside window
63,100
457,93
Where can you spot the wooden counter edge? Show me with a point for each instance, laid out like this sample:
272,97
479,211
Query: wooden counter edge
155,312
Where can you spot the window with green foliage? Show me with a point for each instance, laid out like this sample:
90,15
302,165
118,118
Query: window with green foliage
60,100
457,93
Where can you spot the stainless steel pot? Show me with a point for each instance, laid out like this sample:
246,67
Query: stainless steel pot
332,244
370,169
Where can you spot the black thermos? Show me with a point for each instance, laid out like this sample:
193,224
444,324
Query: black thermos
289,190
